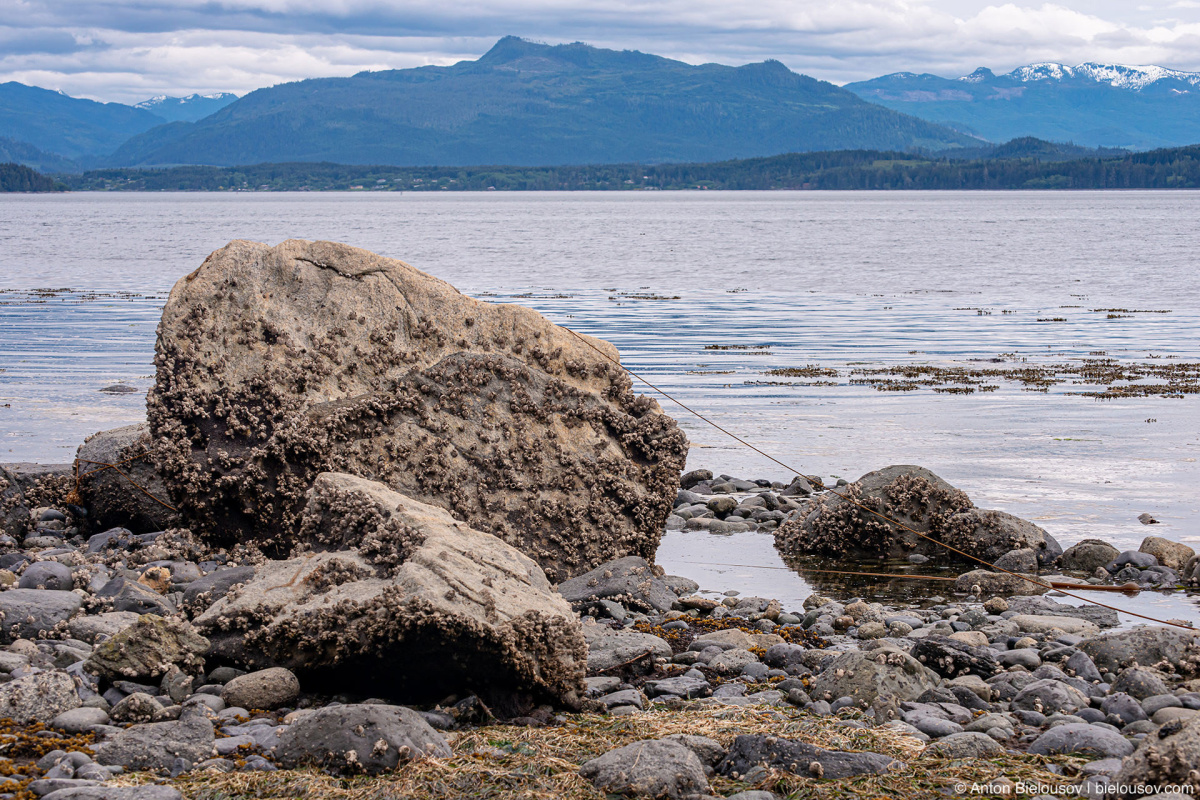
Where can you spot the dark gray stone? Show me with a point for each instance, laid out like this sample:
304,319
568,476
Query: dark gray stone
143,792
157,745
359,738
631,581
1048,696
1132,558
968,744
1081,666
679,686
801,758
1139,682
1081,738
26,613
951,658
47,575
653,768
215,585
111,497
1113,651
1088,555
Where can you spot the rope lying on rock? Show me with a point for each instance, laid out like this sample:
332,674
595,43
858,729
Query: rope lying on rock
76,497
853,502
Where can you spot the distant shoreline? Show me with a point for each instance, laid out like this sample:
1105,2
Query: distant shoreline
1024,165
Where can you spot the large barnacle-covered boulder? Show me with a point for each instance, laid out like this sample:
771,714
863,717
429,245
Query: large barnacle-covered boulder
400,599
937,513
278,363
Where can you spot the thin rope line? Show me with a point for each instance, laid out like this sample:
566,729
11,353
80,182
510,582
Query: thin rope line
853,502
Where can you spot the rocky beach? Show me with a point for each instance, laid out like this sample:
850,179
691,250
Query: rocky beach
380,539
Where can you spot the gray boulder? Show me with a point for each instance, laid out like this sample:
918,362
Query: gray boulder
47,575
79,720
406,599
39,697
609,648
1023,560
28,613
1044,606
157,745
1168,553
1088,555
89,627
879,679
359,738
1077,737
353,362
653,768
110,495
1140,682
147,649
1048,696
142,792
203,592
709,751
630,581
999,583
265,689
951,658
1166,758
801,758
968,744
1124,707
1147,646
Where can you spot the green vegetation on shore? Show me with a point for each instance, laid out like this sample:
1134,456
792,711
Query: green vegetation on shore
1176,168
18,178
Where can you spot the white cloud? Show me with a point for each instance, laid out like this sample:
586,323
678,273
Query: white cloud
131,49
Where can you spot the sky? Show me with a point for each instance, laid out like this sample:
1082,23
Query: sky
131,50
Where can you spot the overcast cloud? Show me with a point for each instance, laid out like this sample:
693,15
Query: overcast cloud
129,50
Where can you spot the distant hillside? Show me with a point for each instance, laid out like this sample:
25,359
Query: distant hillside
845,169
1031,147
19,178
68,126
186,109
26,154
526,103
1093,105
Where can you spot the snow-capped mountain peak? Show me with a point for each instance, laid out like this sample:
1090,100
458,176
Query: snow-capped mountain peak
1045,71
1119,76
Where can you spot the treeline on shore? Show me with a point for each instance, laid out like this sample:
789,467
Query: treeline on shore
1175,168
19,178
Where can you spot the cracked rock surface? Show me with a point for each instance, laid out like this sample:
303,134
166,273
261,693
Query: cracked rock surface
275,364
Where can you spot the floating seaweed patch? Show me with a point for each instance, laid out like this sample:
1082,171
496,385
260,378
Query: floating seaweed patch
807,371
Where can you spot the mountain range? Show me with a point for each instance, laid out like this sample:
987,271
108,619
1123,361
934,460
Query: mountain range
524,103
1095,105
532,104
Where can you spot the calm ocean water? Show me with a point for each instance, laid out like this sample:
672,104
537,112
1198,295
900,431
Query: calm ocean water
703,293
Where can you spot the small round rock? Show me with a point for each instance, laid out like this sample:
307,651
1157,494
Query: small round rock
265,689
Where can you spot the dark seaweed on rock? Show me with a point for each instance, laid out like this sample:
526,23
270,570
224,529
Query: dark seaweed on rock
275,364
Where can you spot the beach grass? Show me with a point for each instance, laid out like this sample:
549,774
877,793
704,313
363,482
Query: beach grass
542,763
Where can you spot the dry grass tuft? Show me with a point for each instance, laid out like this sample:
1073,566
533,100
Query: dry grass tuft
518,763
